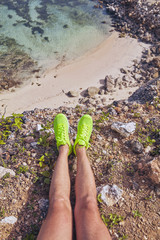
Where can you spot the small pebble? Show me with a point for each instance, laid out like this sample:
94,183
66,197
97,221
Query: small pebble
104,152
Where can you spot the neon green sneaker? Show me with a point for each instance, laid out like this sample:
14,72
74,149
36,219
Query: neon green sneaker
61,131
84,131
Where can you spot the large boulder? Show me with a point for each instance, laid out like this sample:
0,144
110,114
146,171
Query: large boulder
109,83
92,91
9,220
110,195
125,129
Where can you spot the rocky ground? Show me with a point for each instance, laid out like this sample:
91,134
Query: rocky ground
124,155
140,19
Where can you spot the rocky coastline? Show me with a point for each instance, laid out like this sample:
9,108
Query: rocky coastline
140,19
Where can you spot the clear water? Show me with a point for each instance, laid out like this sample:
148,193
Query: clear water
51,30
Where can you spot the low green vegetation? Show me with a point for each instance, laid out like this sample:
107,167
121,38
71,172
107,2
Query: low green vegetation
156,102
22,169
7,175
78,109
2,212
44,134
123,237
102,118
8,124
136,213
148,197
46,174
137,115
99,198
129,168
148,135
41,161
30,237
47,156
111,220
3,163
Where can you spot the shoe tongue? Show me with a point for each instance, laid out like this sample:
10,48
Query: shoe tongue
81,142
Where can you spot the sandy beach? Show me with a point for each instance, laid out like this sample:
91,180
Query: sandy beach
49,91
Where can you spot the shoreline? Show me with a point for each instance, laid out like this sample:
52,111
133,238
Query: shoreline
49,91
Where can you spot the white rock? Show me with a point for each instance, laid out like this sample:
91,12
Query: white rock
12,136
50,130
92,91
148,149
104,152
110,195
14,201
33,144
73,93
9,220
38,127
3,171
33,155
102,92
111,9
98,160
125,129
24,164
115,140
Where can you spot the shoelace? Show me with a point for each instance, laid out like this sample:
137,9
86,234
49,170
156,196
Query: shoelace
84,132
62,134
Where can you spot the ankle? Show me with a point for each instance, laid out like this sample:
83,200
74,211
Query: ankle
64,149
80,149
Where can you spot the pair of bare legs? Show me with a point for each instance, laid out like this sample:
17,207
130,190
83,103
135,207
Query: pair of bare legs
58,223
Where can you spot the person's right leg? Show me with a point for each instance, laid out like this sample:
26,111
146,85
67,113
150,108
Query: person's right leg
89,225
58,223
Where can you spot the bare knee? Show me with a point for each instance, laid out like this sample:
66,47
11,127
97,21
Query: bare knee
58,222
88,222
59,206
87,204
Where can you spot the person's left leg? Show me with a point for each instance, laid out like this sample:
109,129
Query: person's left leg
89,225
58,223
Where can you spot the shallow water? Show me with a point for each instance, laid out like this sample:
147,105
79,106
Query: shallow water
50,31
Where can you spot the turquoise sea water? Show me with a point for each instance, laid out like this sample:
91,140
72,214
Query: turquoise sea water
51,30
